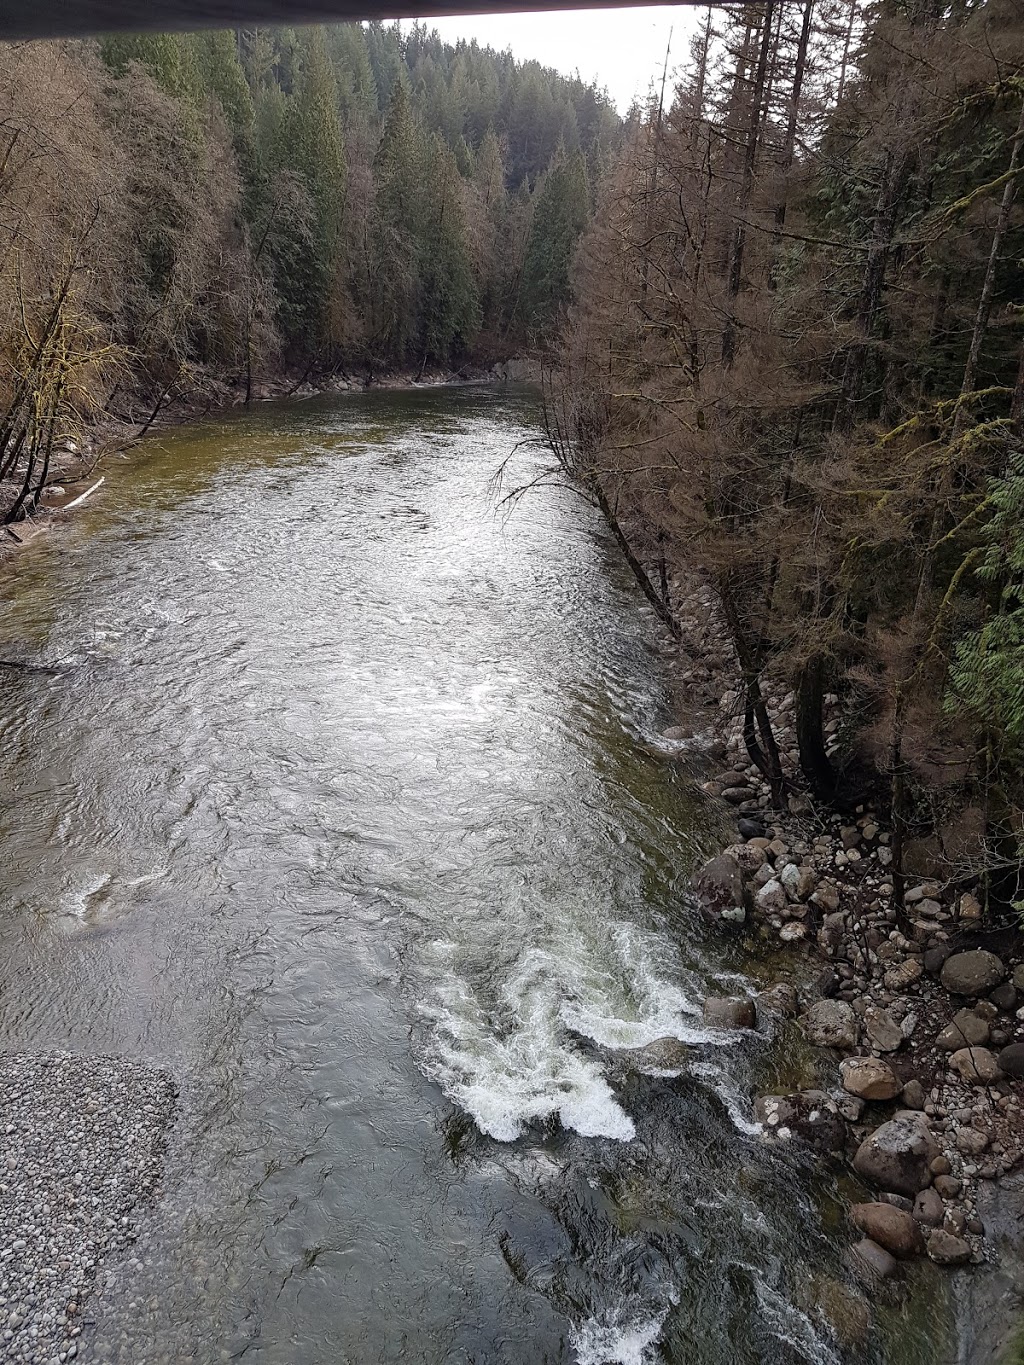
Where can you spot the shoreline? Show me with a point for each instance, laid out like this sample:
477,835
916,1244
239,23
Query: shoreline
923,1030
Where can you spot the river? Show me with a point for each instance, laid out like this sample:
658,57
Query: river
342,804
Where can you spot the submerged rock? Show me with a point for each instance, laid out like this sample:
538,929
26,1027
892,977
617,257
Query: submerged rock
719,889
663,1054
730,1012
780,999
808,1114
872,1262
896,1156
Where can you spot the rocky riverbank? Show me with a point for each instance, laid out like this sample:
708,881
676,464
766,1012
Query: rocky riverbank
923,1023
81,1155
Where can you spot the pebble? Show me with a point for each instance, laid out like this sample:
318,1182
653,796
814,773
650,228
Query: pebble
83,1141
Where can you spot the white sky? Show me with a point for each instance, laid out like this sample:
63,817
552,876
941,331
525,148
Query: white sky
621,49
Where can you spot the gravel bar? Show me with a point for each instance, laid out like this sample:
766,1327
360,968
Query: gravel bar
81,1143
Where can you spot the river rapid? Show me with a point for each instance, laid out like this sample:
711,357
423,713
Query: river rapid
344,804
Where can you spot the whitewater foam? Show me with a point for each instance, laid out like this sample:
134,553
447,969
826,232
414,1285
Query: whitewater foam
597,1343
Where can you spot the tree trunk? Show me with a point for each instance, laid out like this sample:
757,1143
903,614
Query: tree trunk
815,763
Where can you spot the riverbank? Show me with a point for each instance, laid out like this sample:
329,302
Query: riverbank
83,1141
922,1021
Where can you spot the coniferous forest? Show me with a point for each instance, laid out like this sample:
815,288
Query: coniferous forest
794,372
238,204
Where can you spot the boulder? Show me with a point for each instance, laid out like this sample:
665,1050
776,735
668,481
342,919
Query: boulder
947,1186
728,1012
719,889
793,931
974,973
831,1023
750,829
913,1095
826,896
965,1029
748,857
903,974
946,1249
869,1078
808,1114
896,1155
799,882
882,1029
1004,997
780,999
892,1228
663,1054
871,1261
928,1208
1011,1060
971,1142
772,898
975,1065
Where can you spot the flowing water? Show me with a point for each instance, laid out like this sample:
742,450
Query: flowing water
343,804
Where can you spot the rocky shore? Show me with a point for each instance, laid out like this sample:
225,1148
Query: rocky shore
923,1023
81,1154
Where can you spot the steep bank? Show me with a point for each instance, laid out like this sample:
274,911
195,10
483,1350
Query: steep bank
922,1018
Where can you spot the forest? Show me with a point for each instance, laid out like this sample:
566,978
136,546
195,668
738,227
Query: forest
793,372
179,210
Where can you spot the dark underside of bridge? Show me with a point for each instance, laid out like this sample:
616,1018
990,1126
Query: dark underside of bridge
75,18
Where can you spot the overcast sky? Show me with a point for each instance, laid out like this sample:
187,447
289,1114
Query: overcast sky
622,49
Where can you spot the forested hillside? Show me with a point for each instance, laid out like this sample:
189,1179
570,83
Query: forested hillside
175,208
795,373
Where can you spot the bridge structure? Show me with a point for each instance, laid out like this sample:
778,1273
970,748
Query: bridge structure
24,19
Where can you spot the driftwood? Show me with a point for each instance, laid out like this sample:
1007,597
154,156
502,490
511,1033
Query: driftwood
82,496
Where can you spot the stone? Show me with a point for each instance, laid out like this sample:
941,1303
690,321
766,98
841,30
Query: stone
798,881
904,974
826,895
898,1232
940,1166
728,1012
1011,1060
844,1309
965,1029
831,1023
1004,997
719,889
750,829
896,1155
975,1065
947,1186
928,1208
780,999
663,1054
793,931
882,1029
935,958
1018,977
944,1248
973,973
970,907
971,1142
748,857
869,1078
912,1095
871,1261
771,899
808,1114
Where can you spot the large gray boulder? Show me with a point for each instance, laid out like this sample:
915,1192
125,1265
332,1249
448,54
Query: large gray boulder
896,1156
974,973
719,888
729,1012
831,1023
